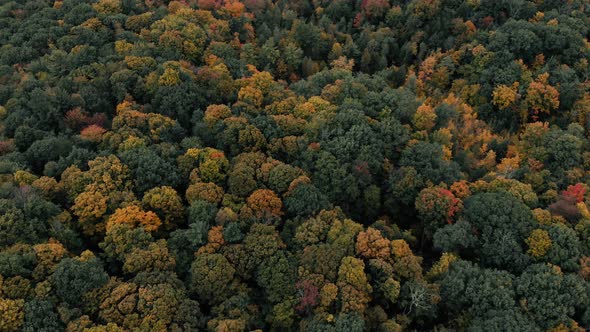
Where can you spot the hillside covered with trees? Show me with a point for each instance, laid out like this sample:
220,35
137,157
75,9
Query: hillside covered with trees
294,165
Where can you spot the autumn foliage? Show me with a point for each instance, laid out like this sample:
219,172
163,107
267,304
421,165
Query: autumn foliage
290,165
134,216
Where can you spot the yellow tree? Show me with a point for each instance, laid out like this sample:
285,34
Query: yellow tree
542,97
406,264
108,6
539,243
48,186
48,256
108,174
250,96
215,113
354,287
166,202
505,96
170,77
204,165
90,207
11,315
424,118
134,216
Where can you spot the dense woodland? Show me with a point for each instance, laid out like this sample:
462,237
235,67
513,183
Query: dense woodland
294,165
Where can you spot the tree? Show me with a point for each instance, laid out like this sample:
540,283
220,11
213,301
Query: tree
90,207
149,306
261,242
93,133
118,301
40,315
209,192
121,238
564,150
424,118
505,96
342,234
419,300
208,165
404,185
16,260
48,149
315,229
565,250
108,174
304,199
577,191
215,113
550,306
382,275
371,244
150,170
375,8
427,159
480,292
134,216
155,257
49,187
354,287
48,255
24,178
15,226
74,277
539,242
405,263
276,275
11,314
166,202
211,277
524,192
501,223
241,180
505,320
281,176
250,138
322,259
542,97
437,206
265,204
107,6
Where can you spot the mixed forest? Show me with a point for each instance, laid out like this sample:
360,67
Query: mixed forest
294,165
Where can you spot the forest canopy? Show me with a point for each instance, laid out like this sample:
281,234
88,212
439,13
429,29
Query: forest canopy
294,165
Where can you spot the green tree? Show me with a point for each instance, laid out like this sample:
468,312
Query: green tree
74,277
550,296
500,222
468,288
276,275
427,159
150,170
40,315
